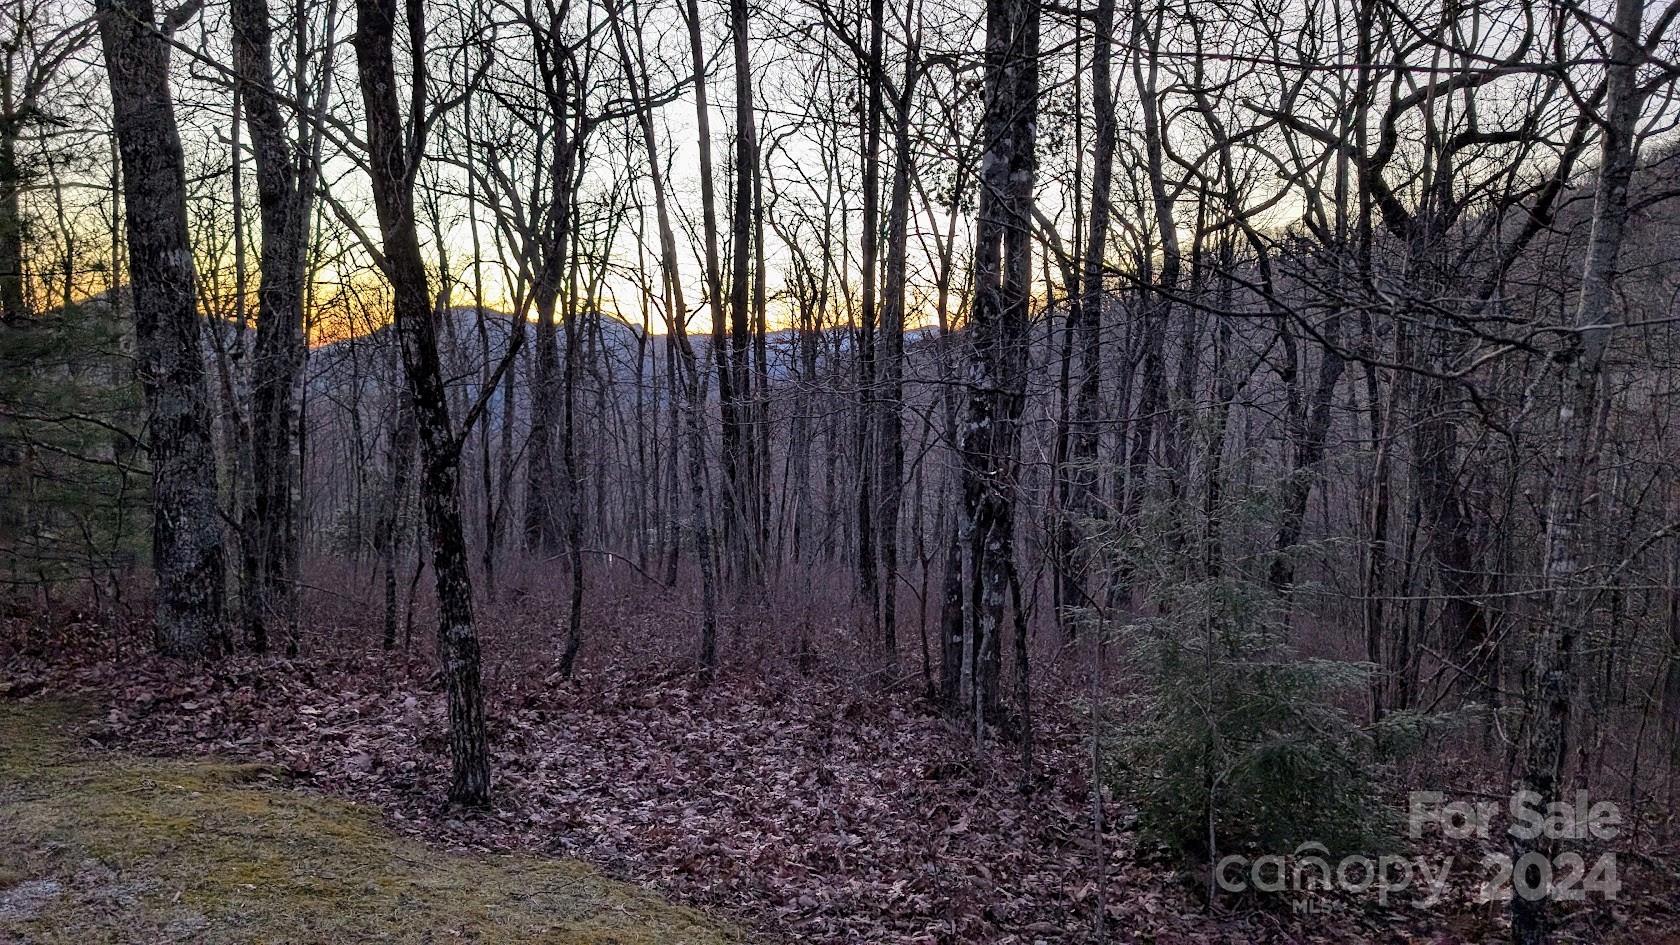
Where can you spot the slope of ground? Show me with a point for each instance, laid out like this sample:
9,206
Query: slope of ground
97,846
807,809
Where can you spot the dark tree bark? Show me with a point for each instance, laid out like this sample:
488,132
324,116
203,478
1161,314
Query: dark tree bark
989,437
394,150
685,367
542,474
1453,542
574,484
284,188
728,499
1311,427
543,489
12,308
1156,295
186,530
868,569
889,426
399,460
741,444
1078,499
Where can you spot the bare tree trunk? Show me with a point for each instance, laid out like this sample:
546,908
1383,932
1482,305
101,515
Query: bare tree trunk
399,457
692,379
229,356
989,438
890,402
1156,295
186,529
1569,604
1080,483
868,569
1377,550
487,552
714,278
952,620
543,528
742,443
283,191
573,479
1464,620
394,151
12,308
1311,427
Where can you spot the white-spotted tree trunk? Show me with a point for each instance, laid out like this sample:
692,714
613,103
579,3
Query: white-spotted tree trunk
1569,605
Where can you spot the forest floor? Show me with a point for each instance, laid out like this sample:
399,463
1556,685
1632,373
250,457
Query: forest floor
100,846
801,809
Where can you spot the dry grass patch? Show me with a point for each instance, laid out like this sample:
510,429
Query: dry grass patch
102,847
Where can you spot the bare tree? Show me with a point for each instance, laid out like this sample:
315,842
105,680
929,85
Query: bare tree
889,402
186,528
1085,317
285,198
34,51
989,437
1580,382
395,148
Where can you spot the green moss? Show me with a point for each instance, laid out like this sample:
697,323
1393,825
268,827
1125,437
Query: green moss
149,849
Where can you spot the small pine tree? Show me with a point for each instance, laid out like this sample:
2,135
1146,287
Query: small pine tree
73,483
1230,741
1234,743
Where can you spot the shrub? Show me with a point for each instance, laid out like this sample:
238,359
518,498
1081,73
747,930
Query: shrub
1229,741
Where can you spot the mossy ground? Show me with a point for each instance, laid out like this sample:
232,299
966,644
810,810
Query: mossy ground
97,846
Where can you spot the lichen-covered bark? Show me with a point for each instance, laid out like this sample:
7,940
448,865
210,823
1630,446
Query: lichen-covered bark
989,437
186,530
1569,604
